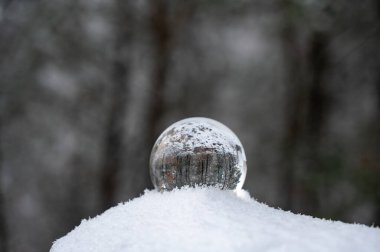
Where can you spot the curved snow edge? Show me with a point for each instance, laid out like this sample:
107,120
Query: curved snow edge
208,219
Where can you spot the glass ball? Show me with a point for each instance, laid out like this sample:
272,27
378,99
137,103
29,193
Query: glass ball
198,151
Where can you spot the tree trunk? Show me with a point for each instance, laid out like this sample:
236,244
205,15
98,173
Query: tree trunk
114,142
295,101
3,225
162,36
317,109
305,111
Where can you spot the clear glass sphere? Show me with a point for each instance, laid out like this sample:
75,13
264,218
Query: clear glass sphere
198,151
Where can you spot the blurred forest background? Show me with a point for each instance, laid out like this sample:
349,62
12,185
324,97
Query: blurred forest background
86,86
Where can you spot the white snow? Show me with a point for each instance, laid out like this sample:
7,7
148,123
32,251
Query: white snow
208,219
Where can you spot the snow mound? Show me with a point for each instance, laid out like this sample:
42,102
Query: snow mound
207,219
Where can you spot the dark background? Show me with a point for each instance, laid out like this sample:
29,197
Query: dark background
87,86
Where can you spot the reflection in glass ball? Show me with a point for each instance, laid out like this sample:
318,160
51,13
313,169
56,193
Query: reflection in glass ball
198,151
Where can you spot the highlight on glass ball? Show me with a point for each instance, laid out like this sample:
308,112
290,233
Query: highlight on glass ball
198,152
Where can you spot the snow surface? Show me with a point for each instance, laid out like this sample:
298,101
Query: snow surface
209,219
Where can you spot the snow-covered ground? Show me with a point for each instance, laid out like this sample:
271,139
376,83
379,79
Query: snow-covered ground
207,219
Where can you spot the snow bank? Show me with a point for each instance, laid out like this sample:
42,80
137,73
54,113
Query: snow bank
207,219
